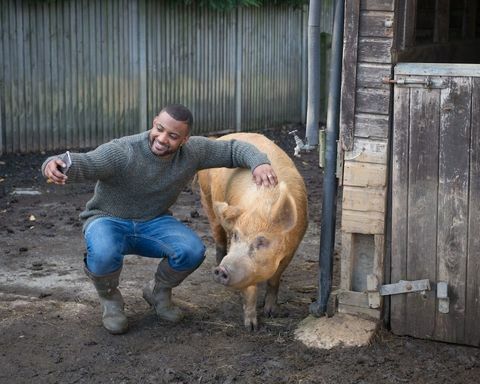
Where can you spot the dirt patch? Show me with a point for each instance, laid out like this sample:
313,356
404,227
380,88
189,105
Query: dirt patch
50,326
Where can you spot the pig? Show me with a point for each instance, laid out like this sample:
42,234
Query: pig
262,227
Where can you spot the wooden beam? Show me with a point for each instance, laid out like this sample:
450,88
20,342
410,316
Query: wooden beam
346,261
349,73
379,258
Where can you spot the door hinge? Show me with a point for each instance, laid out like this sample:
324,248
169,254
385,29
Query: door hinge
442,296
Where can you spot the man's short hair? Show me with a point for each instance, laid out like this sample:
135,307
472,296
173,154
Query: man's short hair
180,113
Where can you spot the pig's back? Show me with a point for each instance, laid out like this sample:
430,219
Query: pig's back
239,188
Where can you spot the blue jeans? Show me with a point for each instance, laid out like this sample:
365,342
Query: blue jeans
109,239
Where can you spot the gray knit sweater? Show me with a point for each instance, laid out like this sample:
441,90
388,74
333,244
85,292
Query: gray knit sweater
133,183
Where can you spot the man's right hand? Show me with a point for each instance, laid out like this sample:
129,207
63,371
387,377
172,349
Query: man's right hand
53,173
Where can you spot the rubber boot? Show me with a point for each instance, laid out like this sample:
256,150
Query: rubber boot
111,301
158,292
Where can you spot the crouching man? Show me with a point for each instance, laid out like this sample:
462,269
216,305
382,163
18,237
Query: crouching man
138,178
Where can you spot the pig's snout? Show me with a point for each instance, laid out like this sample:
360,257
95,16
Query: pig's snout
221,275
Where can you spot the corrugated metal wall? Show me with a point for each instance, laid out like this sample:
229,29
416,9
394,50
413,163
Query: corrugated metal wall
191,59
74,74
69,74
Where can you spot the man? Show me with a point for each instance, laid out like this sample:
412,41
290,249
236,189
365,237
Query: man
138,178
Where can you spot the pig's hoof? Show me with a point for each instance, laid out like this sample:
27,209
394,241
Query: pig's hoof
251,324
272,310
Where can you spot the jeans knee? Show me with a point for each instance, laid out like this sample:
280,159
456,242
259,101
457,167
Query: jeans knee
199,256
188,258
103,263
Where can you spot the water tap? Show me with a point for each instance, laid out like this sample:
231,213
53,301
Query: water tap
299,144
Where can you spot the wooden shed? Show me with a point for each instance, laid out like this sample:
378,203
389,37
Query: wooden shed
410,151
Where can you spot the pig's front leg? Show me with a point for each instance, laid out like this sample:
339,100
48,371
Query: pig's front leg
250,307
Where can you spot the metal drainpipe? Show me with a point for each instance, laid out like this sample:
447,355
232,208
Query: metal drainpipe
329,203
313,73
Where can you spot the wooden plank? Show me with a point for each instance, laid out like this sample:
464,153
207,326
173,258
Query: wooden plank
371,125
453,205
346,261
374,298
442,21
400,143
377,5
472,309
376,279
363,222
359,311
379,257
371,75
438,69
364,174
364,199
357,299
376,24
371,100
349,73
375,50
422,207
368,151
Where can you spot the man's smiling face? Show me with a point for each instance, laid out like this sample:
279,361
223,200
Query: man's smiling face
167,135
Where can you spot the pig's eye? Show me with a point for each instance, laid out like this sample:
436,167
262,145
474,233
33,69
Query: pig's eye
235,236
261,242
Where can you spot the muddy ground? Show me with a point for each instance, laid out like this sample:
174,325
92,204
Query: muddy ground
50,326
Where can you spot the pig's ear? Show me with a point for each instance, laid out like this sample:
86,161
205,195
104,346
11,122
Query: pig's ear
284,212
226,213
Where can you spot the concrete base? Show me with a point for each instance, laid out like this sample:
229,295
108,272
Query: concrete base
341,330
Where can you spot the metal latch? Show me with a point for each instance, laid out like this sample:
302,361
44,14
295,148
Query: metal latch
442,296
426,82
405,286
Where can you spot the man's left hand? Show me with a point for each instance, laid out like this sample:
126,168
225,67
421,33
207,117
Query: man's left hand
265,175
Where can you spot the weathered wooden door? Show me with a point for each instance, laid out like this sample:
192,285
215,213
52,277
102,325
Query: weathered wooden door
436,200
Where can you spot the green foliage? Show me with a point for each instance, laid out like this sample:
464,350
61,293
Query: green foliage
224,5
